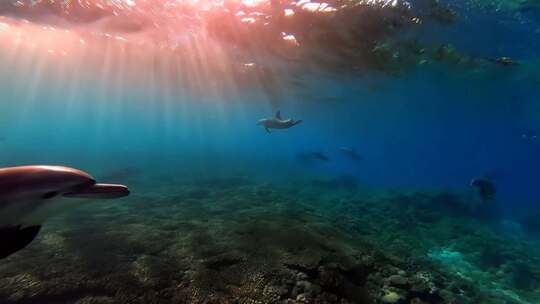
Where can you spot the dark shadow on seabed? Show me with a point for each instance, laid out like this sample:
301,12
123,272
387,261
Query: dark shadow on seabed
224,240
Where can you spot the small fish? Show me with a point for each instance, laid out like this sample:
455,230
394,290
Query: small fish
350,153
485,188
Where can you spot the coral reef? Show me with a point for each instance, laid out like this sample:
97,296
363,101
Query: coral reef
225,240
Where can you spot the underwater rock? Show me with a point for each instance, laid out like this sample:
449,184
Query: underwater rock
422,283
331,279
274,253
418,301
398,280
301,276
301,298
522,277
390,297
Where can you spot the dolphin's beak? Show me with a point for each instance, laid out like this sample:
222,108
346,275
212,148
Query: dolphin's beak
100,191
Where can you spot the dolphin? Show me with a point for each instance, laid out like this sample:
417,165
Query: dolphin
309,156
277,122
350,153
485,187
528,136
31,194
506,61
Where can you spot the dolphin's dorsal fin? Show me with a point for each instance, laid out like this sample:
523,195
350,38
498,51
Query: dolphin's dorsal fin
278,115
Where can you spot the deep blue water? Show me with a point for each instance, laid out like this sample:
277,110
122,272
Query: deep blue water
425,129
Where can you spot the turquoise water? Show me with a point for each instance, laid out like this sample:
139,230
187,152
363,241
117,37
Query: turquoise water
221,211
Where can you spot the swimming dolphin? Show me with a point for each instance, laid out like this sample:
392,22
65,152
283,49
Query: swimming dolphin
528,136
485,187
350,153
31,194
506,61
309,156
277,122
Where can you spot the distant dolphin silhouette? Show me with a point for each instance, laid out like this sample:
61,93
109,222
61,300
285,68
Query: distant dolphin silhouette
31,194
529,136
485,187
277,122
506,61
310,156
350,153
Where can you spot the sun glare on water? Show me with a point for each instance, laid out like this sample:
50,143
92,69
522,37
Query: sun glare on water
191,44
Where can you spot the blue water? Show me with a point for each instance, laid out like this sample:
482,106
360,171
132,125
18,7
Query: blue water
423,129
428,128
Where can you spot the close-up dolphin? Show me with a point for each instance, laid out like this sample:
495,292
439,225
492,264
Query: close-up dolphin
277,122
31,194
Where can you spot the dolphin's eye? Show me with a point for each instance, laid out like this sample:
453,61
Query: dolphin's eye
49,195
